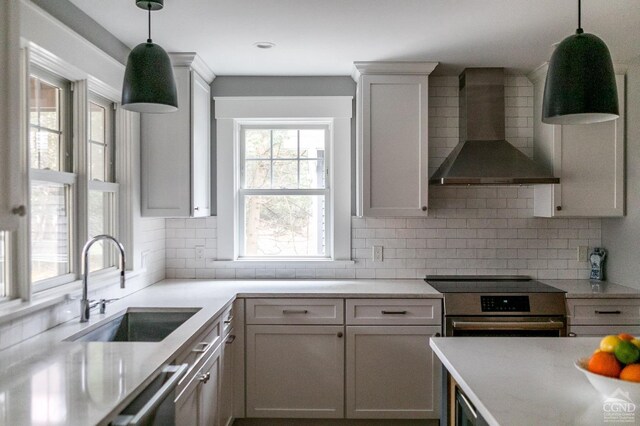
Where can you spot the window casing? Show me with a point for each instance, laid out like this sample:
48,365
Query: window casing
284,195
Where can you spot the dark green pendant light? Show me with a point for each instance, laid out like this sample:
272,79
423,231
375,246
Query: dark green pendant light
581,83
149,84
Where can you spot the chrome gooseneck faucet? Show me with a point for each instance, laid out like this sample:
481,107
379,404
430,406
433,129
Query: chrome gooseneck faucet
85,306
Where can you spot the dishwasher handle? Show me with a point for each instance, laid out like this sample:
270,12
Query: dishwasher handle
140,418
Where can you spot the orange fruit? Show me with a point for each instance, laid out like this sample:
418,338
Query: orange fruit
626,336
605,364
609,343
631,373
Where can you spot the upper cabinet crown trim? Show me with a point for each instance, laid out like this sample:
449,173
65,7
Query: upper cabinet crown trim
191,59
391,67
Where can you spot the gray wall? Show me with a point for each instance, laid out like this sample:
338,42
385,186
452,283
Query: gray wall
621,236
69,14
282,86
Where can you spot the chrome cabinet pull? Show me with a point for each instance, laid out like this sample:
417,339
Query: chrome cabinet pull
228,321
572,334
394,312
295,311
230,339
204,378
608,312
201,350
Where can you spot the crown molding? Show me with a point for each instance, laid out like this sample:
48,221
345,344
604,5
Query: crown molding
193,60
391,67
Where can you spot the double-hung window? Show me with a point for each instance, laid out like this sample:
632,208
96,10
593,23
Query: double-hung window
52,180
103,191
284,193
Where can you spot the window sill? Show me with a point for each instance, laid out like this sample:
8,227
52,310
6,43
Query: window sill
281,263
15,309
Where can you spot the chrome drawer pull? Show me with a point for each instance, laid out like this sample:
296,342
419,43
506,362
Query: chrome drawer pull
230,339
204,378
608,312
201,350
394,312
295,311
228,321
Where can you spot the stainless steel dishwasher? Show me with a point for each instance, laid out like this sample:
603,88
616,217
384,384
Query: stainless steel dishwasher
155,406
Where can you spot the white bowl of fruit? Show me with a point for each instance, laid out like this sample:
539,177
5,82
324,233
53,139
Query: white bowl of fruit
614,366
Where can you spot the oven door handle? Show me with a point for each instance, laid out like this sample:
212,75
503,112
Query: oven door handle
508,325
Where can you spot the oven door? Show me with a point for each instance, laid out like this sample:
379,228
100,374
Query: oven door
505,326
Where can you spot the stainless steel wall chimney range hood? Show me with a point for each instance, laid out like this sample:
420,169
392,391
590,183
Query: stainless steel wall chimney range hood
483,156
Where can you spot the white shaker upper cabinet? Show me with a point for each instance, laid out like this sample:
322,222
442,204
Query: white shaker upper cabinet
588,159
392,137
176,147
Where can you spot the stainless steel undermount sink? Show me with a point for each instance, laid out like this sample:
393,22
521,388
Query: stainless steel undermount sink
136,325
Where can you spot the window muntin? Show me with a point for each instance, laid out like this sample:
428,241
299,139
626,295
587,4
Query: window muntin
102,205
284,193
52,184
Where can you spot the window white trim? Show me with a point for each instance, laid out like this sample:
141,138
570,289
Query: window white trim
233,112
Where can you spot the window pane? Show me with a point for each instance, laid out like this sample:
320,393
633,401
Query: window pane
33,100
285,174
257,143
49,106
3,263
50,226
45,149
101,215
282,225
97,162
312,174
97,122
285,143
312,143
257,174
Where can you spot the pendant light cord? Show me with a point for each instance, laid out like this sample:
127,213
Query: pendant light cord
579,30
149,7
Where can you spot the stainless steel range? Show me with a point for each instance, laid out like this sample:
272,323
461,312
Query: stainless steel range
493,306
500,306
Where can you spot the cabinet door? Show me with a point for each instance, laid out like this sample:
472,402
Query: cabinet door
166,156
391,373
225,405
188,405
393,139
210,387
589,160
201,143
295,371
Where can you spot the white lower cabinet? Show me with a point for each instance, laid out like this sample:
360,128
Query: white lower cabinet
391,373
295,371
197,404
602,330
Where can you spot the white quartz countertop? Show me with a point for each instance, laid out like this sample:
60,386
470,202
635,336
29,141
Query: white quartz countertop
524,380
47,381
586,289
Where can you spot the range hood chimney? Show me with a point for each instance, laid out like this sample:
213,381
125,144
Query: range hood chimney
483,156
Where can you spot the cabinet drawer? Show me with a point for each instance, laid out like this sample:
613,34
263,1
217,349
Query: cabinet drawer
602,330
294,311
394,311
201,346
227,320
603,311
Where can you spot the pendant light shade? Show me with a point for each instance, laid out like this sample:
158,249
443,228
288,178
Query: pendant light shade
581,84
149,84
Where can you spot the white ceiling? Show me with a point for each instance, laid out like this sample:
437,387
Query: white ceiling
325,37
